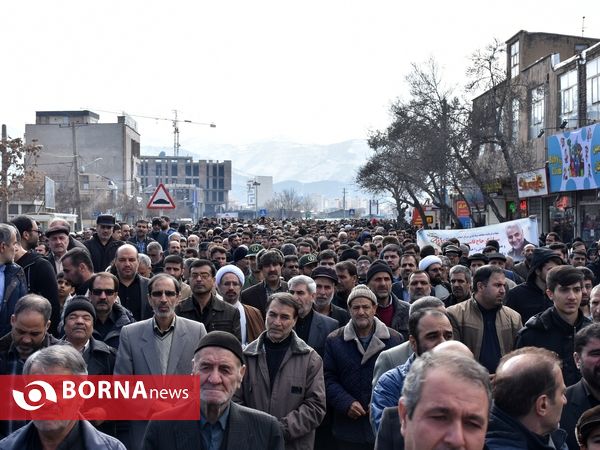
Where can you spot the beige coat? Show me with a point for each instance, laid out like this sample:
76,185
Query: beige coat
298,396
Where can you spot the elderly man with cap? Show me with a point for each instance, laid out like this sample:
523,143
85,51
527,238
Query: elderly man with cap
311,326
230,280
475,261
350,355
390,310
102,246
80,315
529,298
223,424
326,280
433,266
240,259
58,241
498,259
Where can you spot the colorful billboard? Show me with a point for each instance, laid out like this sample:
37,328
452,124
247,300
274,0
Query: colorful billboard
574,159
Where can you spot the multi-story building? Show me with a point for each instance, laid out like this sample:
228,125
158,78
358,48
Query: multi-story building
103,156
557,107
198,188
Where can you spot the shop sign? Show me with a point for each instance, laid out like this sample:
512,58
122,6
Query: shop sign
532,184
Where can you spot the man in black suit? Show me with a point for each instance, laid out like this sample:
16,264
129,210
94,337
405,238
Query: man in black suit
219,362
585,393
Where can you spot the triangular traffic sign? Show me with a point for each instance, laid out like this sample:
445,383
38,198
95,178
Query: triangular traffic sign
161,199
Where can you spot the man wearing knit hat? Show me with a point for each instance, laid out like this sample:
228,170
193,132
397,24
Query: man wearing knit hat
530,298
433,266
219,362
230,280
80,315
350,355
390,310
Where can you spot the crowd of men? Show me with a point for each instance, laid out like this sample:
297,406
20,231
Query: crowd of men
308,334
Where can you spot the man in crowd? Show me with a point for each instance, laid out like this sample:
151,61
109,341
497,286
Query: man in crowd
312,327
155,252
477,260
586,392
79,327
419,285
326,279
522,268
529,395
157,234
203,306
270,264
460,282
230,280
102,246
219,363
529,298
58,434
595,303
141,238
350,355
291,268
39,274
556,326
430,389
427,329
391,254
78,269
391,311
483,323
29,332
13,284
161,345
133,288
347,278
111,316
408,265
294,372
433,266
173,265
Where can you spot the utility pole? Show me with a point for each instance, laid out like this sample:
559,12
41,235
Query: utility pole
76,169
344,202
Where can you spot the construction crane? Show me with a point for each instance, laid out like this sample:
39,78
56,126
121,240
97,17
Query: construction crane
175,121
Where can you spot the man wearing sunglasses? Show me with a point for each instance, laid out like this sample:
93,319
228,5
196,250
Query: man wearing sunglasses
161,345
111,316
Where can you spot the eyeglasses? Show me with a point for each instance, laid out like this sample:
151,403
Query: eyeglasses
38,231
159,294
108,292
203,275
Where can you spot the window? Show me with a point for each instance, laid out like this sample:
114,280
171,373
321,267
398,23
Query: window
196,170
593,89
221,170
173,169
221,197
568,96
158,169
536,121
85,182
188,170
514,59
221,183
515,120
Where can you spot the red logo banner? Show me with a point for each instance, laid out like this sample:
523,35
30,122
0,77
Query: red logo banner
99,397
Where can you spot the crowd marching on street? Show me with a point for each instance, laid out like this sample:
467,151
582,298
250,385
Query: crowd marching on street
308,334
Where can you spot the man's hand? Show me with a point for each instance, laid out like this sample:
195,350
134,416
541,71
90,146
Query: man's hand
356,410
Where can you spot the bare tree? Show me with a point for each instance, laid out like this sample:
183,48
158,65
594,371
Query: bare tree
14,171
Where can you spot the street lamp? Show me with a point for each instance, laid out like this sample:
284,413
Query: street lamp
256,184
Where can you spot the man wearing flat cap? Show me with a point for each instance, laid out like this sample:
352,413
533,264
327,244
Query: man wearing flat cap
223,424
588,429
102,246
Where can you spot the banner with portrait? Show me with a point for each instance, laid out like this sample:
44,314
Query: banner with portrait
512,236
